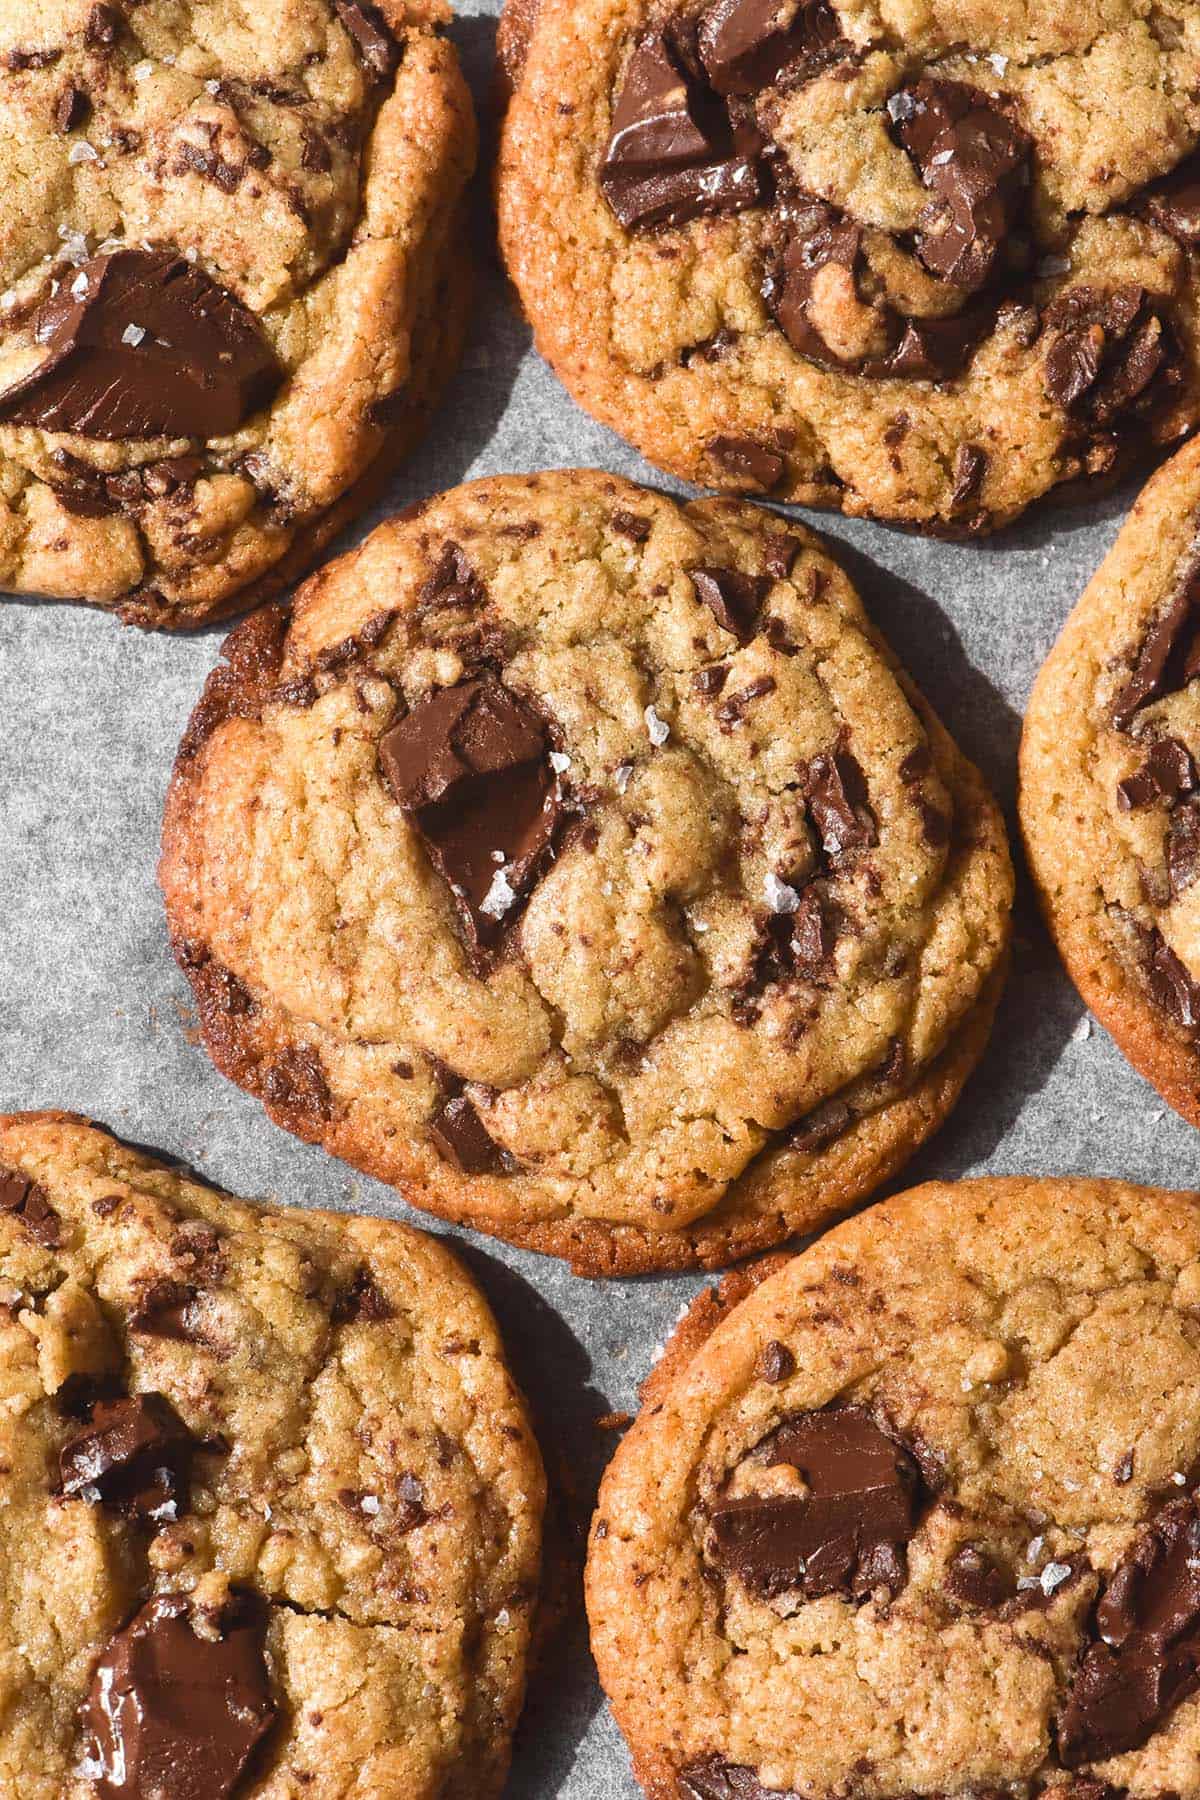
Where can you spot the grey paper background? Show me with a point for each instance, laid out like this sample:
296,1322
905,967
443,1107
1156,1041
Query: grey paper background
95,1017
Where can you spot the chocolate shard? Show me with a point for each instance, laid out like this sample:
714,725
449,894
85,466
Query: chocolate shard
171,1713
970,467
453,582
470,766
1147,1658
748,45
1111,352
747,460
1167,772
975,163
934,349
975,1580
73,108
165,1311
1169,656
835,788
714,1779
143,344
1172,987
27,1201
1183,848
735,600
372,37
460,1134
134,1454
1173,204
671,155
847,1533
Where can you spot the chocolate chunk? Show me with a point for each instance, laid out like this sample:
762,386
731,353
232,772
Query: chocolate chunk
143,344
72,109
470,766
813,936
748,45
373,40
1171,986
917,764
934,349
671,156
1111,352
847,1533
164,1310
732,712
713,1779
27,1201
974,1580
776,1363
970,467
453,582
821,1126
747,460
1167,772
975,163
632,525
1148,1659
1183,848
460,1134
819,237
1169,656
363,1300
297,1084
779,555
171,1713
836,791
102,27
134,1454
735,600
1173,204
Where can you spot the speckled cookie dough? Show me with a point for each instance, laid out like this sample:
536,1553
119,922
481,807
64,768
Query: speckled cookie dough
270,1505
233,281
918,262
1110,796
581,863
916,1512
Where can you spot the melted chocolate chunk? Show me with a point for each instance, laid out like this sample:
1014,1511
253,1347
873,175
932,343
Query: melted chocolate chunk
747,45
847,1534
1173,204
164,1311
747,460
820,237
362,1301
970,467
1169,656
1111,351
149,347
1171,986
1183,848
975,163
974,1580
470,766
1167,772
836,791
671,156
170,1713
821,1126
1148,1656
459,1133
714,1779
27,1201
735,600
373,40
134,1454
934,349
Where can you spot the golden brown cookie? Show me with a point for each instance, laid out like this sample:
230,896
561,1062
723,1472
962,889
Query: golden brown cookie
271,1505
922,263
1110,795
917,1511
233,284
581,863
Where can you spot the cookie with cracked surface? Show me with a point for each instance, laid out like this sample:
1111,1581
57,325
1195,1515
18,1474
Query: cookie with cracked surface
271,1503
886,1526
918,263
582,864
1110,795
234,282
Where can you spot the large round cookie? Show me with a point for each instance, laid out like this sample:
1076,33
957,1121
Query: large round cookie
1110,794
270,1505
232,274
917,262
918,1514
581,863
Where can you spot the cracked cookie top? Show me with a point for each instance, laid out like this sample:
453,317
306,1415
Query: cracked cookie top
271,1503
582,863
887,1525
922,263
1110,790
225,243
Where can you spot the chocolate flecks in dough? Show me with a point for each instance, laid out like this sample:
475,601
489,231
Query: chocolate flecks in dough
671,155
1171,986
1108,348
134,1454
776,1363
732,712
1148,1656
970,467
974,1580
735,600
747,45
470,766
1167,772
975,163
836,791
373,40
296,1082
164,1310
171,1712
460,1134
714,1779
1169,656
847,1533
150,347
27,1201
1183,848
748,460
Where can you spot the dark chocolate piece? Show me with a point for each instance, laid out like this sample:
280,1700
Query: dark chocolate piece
819,237
974,1580
27,1201
134,1454
735,600
1183,848
970,467
72,109
171,1713
821,1126
1167,772
164,1310
1111,351
776,1362
453,582
470,766
748,45
459,1133
836,791
1171,986
1173,204
747,460
143,344
715,1779
847,1534
975,163
1169,656
372,37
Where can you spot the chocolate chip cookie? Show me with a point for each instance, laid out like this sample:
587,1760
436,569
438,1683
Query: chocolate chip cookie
919,263
232,281
917,1512
1110,794
582,864
271,1506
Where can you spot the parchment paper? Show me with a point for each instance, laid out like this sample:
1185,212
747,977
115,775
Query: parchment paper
95,1017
